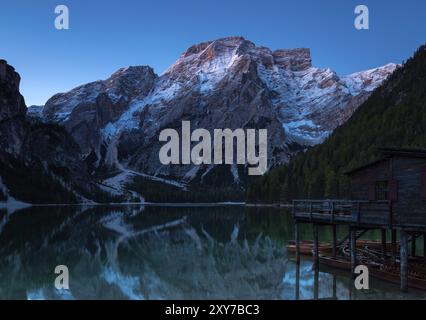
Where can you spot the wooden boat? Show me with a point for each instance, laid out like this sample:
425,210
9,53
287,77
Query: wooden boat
414,281
306,247
385,272
376,245
338,263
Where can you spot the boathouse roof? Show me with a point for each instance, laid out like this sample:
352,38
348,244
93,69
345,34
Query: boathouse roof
389,153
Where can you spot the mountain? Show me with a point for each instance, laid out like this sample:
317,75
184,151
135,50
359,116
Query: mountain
12,109
39,163
393,116
226,83
86,110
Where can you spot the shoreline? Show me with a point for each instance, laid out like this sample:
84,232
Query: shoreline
4,205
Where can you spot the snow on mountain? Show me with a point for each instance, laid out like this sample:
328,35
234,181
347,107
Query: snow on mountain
228,82
303,93
312,102
123,84
368,80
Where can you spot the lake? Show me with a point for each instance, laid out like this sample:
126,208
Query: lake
165,252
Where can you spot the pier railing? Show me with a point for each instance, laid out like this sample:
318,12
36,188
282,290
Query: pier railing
344,211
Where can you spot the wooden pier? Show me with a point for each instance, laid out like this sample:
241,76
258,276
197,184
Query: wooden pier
388,194
335,212
358,217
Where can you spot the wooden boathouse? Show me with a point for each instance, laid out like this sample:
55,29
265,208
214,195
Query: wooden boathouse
388,195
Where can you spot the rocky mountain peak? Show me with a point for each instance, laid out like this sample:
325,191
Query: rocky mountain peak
293,59
225,83
131,81
210,57
217,47
230,48
8,74
123,85
368,80
131,72
11,101
44,154
204,65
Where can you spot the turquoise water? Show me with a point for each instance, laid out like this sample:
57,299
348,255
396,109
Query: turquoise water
165,252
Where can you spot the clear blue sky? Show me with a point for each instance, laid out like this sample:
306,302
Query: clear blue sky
105,35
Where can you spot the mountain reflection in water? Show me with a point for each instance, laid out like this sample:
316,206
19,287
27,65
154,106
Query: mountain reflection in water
163,252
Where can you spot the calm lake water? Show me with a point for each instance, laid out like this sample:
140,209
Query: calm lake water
160,252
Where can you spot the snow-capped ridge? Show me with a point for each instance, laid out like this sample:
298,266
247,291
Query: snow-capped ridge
125,83
228,82
293,59
368,80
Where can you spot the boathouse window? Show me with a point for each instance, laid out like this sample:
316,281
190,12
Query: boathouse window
382,191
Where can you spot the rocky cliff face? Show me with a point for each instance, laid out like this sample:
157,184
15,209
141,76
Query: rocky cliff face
12,110
39,162
86,110
12,103
227,83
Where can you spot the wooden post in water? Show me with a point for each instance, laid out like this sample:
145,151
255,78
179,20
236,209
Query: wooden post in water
316,249
424,247
353,250
297,236
334,240
316,284
334,287
394,247
413,245
404,260
384,244
297,296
